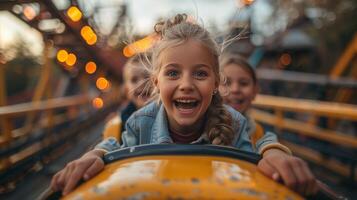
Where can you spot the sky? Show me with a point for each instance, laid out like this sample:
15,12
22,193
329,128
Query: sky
143,14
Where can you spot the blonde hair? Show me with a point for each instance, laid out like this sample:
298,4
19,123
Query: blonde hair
233,58
174,32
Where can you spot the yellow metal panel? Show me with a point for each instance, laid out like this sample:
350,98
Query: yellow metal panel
113,128
322,108
5,123
306,129
181,177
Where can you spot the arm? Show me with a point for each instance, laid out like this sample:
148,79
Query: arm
91,163
293,171
279,164
85,167
268,141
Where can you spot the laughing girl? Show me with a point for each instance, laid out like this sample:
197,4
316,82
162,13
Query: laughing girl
188,109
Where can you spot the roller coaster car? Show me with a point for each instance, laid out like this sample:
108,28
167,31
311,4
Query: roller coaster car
166,171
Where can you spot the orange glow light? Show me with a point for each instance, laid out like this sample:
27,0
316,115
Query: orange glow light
29,13
91,67
140,45
97,103
102,83
285,59
92,40
62,55
71,60
86,32
74,13
247,2
88,35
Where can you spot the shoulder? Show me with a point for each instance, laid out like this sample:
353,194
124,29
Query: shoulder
234,113
239,122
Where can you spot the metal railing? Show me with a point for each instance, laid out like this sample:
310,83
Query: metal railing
274,111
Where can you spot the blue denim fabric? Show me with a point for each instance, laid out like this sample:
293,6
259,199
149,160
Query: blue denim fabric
150,125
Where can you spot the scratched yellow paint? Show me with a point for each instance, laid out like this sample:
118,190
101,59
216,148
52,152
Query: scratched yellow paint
181,177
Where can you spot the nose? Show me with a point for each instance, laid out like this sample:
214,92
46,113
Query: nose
234,87
186,83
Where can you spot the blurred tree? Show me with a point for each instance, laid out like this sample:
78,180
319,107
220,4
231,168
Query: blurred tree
331,24
22,69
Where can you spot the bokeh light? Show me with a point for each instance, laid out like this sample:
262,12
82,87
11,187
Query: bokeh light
62,55
140,45
97,103
29,13
91,67
285,59
88,35
71,60
102,83
74,13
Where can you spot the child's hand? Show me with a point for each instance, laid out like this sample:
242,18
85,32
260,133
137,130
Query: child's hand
85,167
293,171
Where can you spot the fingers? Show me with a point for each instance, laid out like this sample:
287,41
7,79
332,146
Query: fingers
89,165
74,174
302,184
309,179
268,170
306,183
55,184
94,169
293,171
285,170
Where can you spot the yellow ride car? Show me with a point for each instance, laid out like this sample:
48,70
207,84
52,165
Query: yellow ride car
171,171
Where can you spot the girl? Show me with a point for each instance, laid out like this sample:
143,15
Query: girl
241,82
134,74
189,109
242,85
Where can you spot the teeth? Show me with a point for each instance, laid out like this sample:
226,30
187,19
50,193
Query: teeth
185,100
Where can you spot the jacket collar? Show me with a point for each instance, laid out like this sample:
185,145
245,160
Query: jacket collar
160,130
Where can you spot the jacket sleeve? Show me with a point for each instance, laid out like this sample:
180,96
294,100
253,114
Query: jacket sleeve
270,141
108,144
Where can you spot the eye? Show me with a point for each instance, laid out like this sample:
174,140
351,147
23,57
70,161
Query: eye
244,82
172,73
200,74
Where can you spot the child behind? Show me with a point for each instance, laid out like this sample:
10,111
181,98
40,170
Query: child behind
134,75
242,85
240,89
189,110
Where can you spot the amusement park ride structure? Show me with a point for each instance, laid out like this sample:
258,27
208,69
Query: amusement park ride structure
48,123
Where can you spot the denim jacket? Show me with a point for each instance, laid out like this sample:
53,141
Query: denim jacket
150,125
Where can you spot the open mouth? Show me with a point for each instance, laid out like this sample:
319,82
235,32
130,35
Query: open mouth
237,101
186,103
